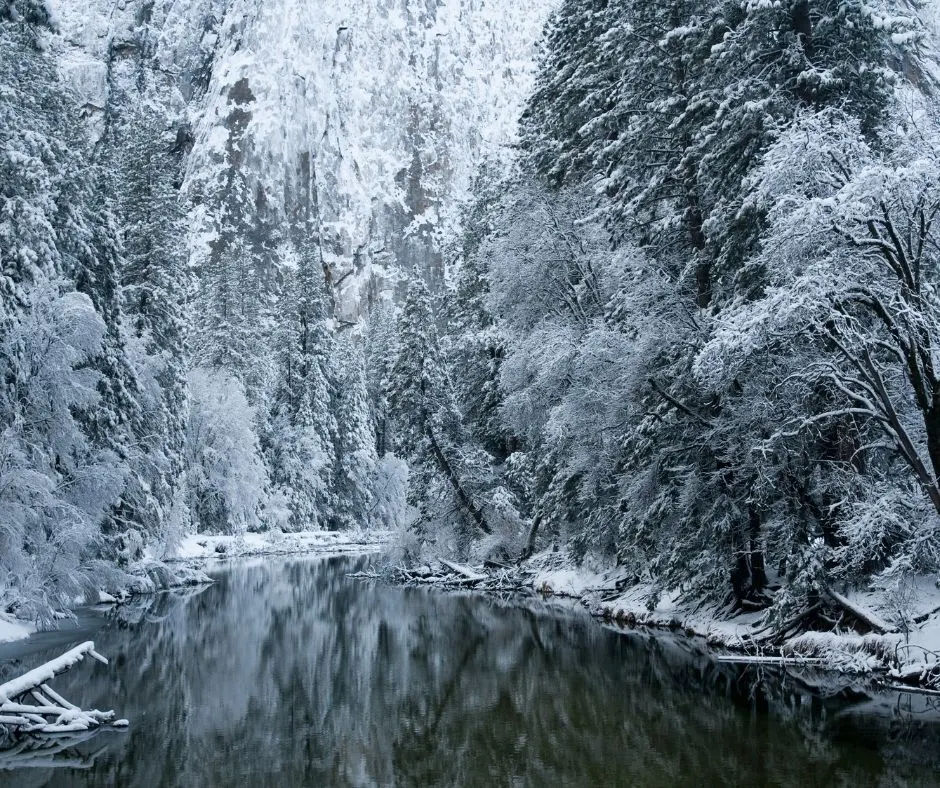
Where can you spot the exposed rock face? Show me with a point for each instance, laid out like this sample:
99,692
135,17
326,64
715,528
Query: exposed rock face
363,119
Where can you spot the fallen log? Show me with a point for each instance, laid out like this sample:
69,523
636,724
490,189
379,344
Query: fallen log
463,571
29,705
757,659
871,620
780,632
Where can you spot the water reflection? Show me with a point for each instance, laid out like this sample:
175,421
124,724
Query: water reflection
291,673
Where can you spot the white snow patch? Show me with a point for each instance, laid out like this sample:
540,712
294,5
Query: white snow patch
556,573
208,546
14,629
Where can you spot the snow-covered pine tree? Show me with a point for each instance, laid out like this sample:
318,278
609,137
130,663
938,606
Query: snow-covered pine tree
144,177
425,422
665,107
301,432
117,419
474,339
380,350
228,333
356,457
62,418
417,386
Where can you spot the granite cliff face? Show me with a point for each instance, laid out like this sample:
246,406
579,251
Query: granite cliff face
364,118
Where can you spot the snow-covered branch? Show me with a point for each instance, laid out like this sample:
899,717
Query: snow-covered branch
29,705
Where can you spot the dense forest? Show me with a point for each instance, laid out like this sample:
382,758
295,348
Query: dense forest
693,327
699,308
683,319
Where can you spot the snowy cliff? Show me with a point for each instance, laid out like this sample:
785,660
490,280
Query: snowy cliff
374,112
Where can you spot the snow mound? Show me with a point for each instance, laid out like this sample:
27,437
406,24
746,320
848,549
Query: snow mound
14,629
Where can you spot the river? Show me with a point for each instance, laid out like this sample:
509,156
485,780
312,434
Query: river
289,673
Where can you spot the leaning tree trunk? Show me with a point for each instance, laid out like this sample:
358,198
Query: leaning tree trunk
932,428
462,496
529,550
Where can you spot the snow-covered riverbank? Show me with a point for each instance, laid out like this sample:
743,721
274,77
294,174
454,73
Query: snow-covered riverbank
185,566
903,650
200,548
13,629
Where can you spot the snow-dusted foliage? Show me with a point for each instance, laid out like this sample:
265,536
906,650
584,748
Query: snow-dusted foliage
355,477
204,194
227,480
301,434
693,325
850,319
55,485
284,265
61,478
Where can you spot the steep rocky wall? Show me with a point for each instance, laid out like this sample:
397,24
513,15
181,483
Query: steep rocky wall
373,114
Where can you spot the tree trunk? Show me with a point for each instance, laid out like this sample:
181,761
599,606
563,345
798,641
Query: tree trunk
803,27
932,428
465,500
703,268
529,548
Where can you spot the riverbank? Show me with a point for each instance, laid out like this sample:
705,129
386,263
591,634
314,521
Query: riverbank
185,566
871,634
14,629
201,548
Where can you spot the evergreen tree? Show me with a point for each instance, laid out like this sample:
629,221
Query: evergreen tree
417,386
154,285
380,351
67,394
301,433
355,446
475,340
667,106
424,419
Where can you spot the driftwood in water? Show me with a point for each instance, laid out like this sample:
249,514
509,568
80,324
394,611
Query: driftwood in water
29,705
451,575
464,571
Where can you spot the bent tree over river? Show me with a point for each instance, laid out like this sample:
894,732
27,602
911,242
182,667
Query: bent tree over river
290,673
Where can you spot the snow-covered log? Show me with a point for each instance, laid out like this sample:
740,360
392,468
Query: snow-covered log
452,576
29,705
464,571
870,619
757,659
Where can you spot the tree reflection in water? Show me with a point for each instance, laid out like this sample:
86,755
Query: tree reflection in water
290,673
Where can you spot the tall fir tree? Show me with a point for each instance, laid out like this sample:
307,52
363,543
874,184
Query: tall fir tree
425,422
301,432
356,457
144,178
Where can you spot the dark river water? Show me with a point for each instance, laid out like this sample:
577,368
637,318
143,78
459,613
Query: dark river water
289,673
